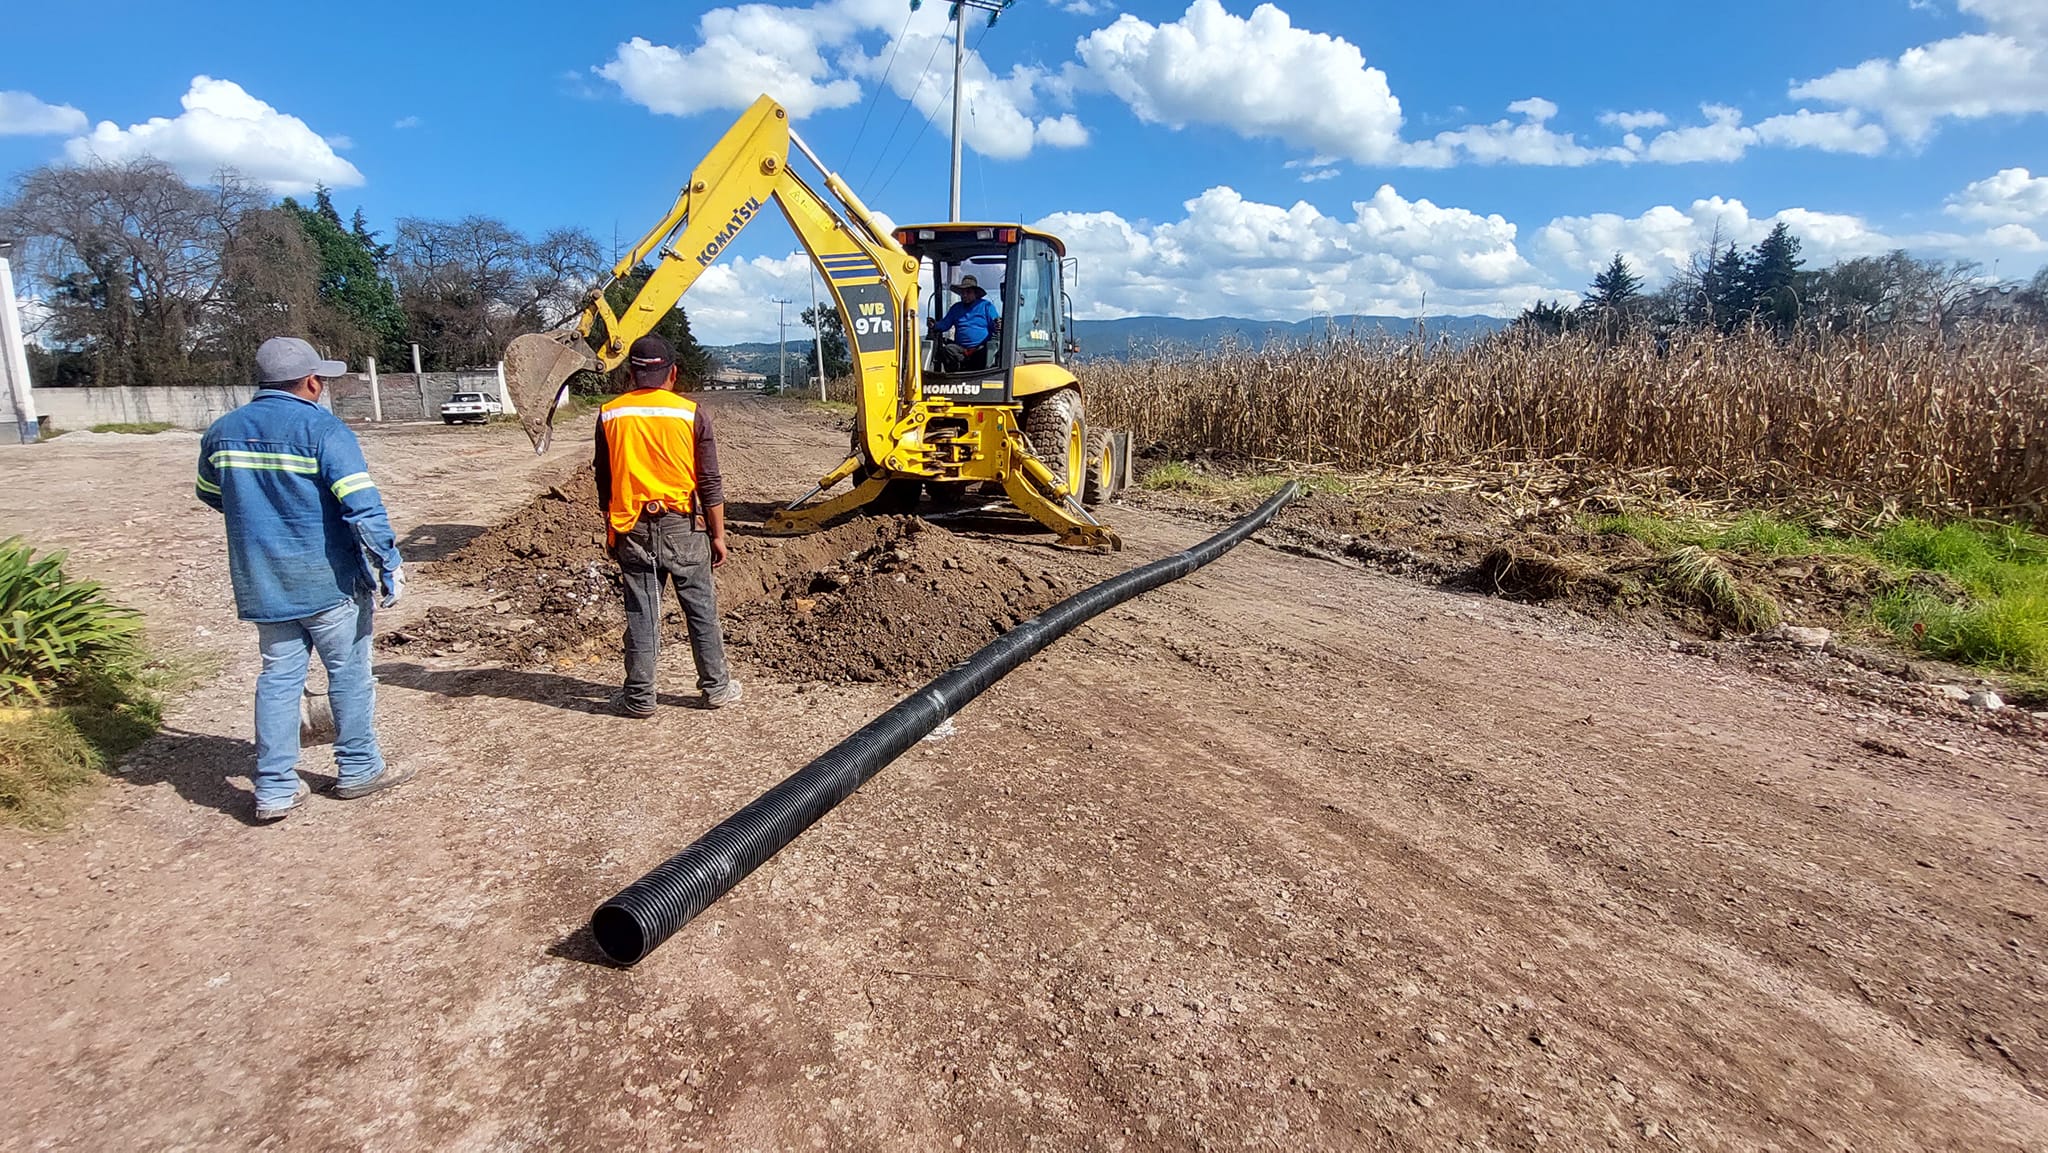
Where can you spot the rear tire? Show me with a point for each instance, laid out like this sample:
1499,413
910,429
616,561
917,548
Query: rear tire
1055,429
1099,482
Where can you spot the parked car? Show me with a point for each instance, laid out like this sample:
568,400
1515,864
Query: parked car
474,407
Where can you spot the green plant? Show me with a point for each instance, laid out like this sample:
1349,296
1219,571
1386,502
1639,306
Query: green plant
1762,533
1696,576
52,628
1651,531
1175,476
139,428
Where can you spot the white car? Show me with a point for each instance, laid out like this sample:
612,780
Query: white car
470,406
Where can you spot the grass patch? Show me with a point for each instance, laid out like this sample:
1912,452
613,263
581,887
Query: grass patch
1178,476
1695,576
1764,534
1658,534
75,690
2001,622
137,428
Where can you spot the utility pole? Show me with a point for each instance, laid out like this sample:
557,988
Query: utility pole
818,334
781,343
994,8
14,356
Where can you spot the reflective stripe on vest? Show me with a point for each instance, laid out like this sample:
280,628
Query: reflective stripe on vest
651,436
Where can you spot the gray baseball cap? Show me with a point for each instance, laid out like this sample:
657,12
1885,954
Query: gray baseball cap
288,360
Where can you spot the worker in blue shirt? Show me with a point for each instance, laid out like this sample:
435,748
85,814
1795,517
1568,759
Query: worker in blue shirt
309,545
972,321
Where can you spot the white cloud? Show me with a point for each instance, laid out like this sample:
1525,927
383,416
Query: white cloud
1662,240
815,58
405,122
21,114
1258,76
1531,141
1634,121
2014,196
732,302
1082,7
1233,256
1721,138
1825,131
224,127
2003,71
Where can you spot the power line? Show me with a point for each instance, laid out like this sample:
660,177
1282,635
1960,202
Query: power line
895,46
908,103
928,119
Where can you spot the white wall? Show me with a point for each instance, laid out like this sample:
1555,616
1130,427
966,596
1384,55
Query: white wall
186,406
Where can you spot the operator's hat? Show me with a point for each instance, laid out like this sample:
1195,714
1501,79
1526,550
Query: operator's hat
649,360
289,360
968,282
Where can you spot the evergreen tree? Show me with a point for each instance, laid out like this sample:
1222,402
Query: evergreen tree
1773,281
693,364
349,278
1726,288
1615,302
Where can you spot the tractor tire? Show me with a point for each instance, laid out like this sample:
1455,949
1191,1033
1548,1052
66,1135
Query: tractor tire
1098,484
1054,428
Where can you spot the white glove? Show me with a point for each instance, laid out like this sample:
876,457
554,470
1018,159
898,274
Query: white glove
392,585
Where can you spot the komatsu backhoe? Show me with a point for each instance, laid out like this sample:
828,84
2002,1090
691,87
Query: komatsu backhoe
1011,415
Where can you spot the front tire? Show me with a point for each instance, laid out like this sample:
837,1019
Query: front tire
1056,430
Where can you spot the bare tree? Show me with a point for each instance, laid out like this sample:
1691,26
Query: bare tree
132,258
469,286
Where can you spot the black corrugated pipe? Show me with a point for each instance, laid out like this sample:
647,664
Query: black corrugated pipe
646,912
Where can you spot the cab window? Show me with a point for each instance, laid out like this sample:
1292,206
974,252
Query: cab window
1037,284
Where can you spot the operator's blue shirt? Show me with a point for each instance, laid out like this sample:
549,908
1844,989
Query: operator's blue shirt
305,523
970,322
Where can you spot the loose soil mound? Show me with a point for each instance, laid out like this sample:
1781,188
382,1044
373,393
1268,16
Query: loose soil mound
903,608
877,599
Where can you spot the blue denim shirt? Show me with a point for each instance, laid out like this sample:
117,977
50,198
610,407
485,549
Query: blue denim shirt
305,525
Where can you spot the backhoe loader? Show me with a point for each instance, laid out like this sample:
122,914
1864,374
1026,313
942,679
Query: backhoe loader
1011,416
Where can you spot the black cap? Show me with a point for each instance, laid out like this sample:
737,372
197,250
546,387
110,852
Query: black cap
649,360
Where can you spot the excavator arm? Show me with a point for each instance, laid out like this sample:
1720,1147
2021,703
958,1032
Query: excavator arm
900,433
871,279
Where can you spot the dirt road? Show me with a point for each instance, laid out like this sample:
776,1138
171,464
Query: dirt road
1287,855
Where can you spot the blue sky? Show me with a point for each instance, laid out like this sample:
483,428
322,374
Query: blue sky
1202,156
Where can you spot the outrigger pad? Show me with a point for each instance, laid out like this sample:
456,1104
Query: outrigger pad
537,371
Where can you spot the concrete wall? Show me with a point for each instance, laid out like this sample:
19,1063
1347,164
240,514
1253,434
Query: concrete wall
187,406
196,406
402,393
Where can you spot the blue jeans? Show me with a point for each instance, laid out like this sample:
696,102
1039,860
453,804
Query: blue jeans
341,635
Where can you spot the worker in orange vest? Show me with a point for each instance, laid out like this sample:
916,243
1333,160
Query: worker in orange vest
657,477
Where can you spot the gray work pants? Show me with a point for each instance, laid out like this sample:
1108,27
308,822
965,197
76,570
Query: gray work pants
658,548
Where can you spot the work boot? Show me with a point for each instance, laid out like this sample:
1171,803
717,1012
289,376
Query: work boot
729,695
620,706
390,778
266,814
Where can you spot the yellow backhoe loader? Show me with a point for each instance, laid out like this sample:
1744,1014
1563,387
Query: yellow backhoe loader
1010,415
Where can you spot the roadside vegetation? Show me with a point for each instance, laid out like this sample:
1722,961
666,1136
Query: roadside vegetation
136,428
76,689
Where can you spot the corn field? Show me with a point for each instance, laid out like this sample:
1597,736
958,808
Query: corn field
1961,426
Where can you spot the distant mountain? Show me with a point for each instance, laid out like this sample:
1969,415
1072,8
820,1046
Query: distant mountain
1140,335
1143,335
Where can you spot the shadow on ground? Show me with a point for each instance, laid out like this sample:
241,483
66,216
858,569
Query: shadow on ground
432,542
206,770
572,693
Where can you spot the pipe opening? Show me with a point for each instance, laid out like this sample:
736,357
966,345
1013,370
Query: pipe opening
618,934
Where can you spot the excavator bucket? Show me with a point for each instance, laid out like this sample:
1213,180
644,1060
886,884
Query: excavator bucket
537,371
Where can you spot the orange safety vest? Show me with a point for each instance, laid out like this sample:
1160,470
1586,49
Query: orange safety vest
651,434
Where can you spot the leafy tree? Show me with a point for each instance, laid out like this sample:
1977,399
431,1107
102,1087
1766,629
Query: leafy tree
1543,320
350,282
838,361
693,364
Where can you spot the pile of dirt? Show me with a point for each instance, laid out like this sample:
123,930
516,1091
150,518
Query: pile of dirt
911,602
891,599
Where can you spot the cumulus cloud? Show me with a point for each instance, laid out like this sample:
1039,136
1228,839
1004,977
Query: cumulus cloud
2014,196
1663,239
1634,121
1724,137
1259,76
816,58
21,114
1232,256
2002,71
224,127
1527,141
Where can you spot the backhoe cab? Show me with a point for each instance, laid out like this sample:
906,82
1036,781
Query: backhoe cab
1011,415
